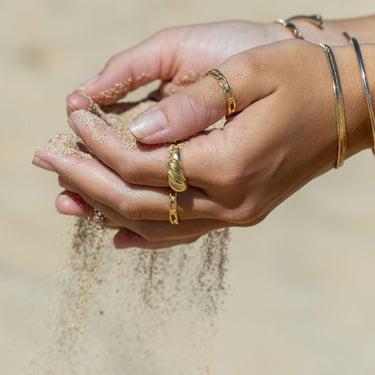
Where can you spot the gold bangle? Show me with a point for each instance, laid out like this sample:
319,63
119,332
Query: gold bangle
315,19
361,64
339,104
228,92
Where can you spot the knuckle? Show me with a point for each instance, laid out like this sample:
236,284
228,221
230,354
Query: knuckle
250,62
234,179
167,32
205,102
69,179
160,34
150,235
127,208
245,69
192,103
129,173
112,61
196,108
248,214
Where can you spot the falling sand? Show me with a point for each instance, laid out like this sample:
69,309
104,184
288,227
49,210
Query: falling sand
133,312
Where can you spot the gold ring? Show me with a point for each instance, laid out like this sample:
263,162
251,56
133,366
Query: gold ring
173,214
176,178
228,92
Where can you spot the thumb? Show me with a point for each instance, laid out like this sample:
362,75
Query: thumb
196,107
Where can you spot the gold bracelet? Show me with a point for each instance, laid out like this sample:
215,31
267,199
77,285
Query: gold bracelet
315,19
339,103
365,85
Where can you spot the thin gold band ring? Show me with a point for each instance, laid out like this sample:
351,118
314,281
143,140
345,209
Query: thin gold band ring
228,92
173,213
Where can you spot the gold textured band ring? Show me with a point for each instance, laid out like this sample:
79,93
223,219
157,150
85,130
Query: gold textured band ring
176,178
339,103
228,92
173,213
315,19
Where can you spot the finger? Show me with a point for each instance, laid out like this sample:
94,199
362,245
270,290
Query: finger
141,165
128,70
69,203
102,185
146,165
203,103
78,100
156,231
89,207
126,238
72,204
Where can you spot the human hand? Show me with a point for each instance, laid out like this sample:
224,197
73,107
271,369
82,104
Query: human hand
180,56
283,136
176,56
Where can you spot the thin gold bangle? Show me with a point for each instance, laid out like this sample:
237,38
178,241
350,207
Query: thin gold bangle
339,104
315,19
361,64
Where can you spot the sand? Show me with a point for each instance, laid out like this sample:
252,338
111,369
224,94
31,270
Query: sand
171,294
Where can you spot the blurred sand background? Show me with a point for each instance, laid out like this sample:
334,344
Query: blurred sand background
302,297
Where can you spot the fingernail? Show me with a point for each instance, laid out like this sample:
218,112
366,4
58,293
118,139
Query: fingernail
148,124
85,85
42,164
71,204
63,201
77,100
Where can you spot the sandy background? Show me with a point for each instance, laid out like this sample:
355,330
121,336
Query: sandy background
303,282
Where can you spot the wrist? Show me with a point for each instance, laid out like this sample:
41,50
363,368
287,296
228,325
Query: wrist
331,31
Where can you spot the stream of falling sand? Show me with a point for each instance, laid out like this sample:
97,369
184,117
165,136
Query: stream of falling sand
134,312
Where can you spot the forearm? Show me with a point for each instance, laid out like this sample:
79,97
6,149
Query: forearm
362,28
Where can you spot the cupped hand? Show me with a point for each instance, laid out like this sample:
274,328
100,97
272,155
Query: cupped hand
283,135
176,56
